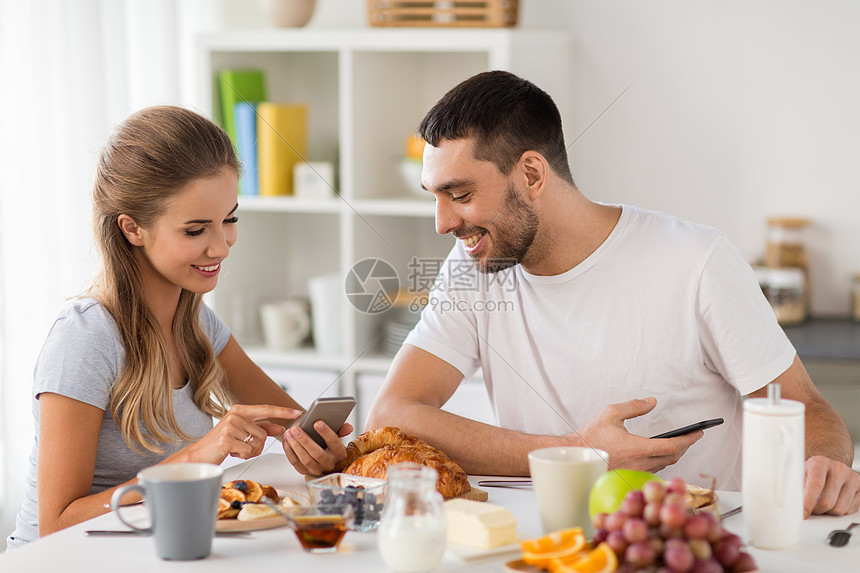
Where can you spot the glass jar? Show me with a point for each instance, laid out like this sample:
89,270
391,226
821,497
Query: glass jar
412,532
786,246
786,292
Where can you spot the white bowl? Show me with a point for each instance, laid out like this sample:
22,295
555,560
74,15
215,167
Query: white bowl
410,172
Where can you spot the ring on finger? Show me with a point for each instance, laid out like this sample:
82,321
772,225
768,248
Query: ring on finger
249,439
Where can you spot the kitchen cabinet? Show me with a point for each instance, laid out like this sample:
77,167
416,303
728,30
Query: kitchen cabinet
366,91
830,350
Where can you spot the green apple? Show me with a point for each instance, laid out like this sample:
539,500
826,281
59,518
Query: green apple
609,490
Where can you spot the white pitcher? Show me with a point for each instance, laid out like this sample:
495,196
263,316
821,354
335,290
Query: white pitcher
772,481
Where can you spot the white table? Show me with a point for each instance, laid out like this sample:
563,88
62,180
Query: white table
279,550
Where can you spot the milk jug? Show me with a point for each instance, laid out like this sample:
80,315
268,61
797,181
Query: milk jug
772,479
412,531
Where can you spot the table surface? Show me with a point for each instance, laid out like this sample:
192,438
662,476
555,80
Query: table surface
71,550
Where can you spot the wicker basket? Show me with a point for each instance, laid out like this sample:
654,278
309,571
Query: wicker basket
443,13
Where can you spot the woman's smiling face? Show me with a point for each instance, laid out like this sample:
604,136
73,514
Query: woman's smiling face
186,245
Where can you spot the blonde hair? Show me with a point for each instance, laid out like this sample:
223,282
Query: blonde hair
149,158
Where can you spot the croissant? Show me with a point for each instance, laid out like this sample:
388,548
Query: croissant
372,452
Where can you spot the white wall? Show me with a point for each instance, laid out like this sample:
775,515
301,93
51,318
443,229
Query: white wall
740,110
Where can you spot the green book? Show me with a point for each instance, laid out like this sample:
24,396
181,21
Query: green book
237,86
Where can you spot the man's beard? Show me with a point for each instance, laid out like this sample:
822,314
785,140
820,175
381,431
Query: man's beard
514,231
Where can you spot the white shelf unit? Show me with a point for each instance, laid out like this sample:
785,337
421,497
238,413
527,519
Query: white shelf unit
366,90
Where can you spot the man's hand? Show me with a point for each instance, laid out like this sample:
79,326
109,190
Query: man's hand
626,450
830,487
305,454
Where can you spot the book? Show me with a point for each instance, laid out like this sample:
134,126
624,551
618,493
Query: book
238,86
282,136
245,117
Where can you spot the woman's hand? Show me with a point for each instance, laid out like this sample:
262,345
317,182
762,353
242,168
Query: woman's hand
307,456
241,433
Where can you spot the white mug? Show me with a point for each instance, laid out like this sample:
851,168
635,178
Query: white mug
182,500
772,478
285,324
562,479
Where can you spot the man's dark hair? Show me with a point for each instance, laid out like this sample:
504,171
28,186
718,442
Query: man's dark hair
506,115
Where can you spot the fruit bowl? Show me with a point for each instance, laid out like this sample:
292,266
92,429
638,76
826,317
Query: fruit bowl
365,495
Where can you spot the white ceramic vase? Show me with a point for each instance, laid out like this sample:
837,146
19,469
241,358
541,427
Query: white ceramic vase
288,13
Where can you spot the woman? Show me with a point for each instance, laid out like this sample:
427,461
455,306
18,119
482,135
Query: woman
132,375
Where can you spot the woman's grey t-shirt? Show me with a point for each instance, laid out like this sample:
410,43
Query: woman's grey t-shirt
82,358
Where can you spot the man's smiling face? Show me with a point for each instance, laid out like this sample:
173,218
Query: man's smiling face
478,205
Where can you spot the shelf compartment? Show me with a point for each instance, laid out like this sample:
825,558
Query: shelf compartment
392,92
275,255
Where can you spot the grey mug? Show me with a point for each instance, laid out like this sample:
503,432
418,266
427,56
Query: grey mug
182,501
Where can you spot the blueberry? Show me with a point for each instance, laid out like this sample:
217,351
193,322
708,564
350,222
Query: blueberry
236,504
241,485
327,495
370,498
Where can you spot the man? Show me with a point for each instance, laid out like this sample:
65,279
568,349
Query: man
595,325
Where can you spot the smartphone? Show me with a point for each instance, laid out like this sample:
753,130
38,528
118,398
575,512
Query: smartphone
691,428
331,410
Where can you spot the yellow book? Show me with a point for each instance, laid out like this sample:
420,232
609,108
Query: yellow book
282,141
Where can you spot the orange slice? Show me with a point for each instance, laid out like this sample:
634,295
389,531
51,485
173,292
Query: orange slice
558,545
600,560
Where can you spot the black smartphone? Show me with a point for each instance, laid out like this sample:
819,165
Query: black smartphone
691,428
332,410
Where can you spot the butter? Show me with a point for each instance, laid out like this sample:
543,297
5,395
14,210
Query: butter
479,524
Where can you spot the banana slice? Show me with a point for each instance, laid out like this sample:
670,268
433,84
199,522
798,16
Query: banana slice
289,502
254,511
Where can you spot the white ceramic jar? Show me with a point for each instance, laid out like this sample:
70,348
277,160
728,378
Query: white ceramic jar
772,480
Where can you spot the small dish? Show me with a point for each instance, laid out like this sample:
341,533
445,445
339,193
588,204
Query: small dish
320,528
365,495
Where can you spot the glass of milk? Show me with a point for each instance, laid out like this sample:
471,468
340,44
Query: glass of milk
412,531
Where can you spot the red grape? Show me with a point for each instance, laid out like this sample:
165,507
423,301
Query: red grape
707,566
697,527
727,549
676,485
615,521
653,491
640,554
651,513
656,543
701,548
600,536
678,556
599,520
667,532
633,503
617,542
672,516
716,532
676,499
635,530
744,563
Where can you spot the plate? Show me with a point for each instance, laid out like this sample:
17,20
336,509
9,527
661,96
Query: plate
261,524
473,553
520,566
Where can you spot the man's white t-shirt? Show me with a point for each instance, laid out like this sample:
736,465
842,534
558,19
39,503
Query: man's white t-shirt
662,308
